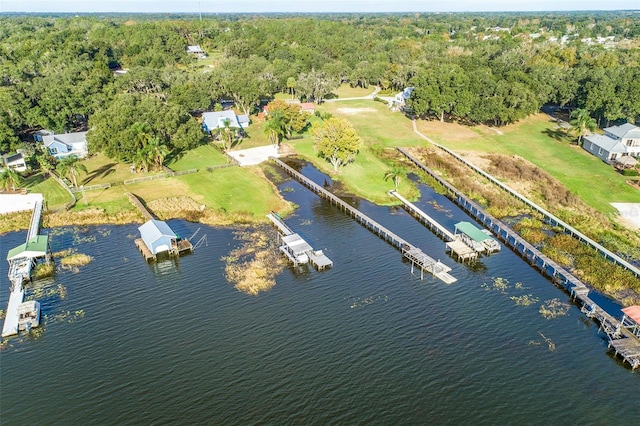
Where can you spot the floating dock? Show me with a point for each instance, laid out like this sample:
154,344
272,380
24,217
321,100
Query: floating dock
409,251
21,261
296,248
560,276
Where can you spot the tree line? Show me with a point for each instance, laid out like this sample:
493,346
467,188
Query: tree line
58,72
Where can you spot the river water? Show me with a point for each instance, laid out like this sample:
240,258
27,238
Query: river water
366,342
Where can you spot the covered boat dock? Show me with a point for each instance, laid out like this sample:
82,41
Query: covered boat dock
476,238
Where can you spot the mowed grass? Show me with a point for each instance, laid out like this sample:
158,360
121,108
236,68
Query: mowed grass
234,190
536,140
54,194
375,123
199,158
380,129
101,169
346,91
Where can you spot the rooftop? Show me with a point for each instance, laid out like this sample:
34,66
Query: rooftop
35,247
633,312
472,231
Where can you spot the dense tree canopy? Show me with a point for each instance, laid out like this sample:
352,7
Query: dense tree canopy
58,72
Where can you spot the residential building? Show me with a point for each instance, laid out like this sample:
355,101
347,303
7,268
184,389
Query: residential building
64,144
15,162
617,142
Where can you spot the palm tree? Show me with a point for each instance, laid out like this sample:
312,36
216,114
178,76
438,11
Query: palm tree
142,159
158,151
582,123
395,173
275,128
226,134
10,179
71,166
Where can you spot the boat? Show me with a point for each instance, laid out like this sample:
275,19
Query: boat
28,315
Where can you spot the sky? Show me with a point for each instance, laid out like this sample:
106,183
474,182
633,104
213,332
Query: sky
260,6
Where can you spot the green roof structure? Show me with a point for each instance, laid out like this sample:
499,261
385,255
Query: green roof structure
472,231
35,247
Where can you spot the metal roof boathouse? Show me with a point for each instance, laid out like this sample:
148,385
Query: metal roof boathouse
157,237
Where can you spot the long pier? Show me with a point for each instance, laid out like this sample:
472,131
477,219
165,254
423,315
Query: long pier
550,218
19,272
412,253
578,290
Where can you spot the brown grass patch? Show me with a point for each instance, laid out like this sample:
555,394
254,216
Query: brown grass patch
91,216
253,266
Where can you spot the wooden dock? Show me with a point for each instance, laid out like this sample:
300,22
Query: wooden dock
454,245
296,248
560,276
144,250
19,272
414,254
138,204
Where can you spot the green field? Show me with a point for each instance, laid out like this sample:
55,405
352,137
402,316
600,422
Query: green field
199,158
233,190
54,194
535,139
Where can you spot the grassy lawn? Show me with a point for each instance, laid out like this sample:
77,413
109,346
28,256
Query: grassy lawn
535,140
54,194
346,91
365,176
102,169
375,123
233,189
199,158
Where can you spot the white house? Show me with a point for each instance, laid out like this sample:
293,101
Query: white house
197,51
212,121
15,162
64,144
617,142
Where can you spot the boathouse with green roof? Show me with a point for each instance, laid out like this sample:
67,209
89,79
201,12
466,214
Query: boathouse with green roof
476,238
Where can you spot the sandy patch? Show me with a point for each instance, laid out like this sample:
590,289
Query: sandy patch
451,132
355,111
253,156
10,203
630,212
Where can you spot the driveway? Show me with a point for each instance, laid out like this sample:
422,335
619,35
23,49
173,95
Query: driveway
253,156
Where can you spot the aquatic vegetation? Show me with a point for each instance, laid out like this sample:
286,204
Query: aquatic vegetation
44,270
306,222
75,260
67,316
525,300
357,302
42,292
253,266
1,314
554,308
545,339
500,284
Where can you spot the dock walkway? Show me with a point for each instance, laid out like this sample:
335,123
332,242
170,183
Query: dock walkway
453,243
414,254
19,272
560,276
294,246
137,203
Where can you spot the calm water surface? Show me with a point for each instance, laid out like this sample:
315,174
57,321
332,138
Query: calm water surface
363,343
